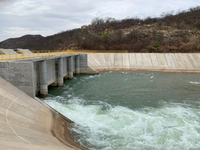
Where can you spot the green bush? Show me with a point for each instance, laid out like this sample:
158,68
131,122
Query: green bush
156,44
105,37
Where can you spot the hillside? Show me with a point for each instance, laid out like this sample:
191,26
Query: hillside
13,43
178,32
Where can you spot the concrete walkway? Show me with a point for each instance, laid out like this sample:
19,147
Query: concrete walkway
27,124
169,62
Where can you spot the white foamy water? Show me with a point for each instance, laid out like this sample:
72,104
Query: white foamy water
132,111
194,82
172,126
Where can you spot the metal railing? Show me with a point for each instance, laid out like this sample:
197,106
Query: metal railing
13,55
96,51
10,55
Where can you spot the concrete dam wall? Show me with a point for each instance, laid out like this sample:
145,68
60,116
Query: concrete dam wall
33,76
26,123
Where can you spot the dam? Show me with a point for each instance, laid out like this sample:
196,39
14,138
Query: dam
28,123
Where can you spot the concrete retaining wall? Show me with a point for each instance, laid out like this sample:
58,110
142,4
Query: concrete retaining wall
20,74
151,62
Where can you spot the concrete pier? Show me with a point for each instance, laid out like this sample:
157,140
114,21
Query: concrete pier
65,68
77,64
43,78
59,73
70,67
59,70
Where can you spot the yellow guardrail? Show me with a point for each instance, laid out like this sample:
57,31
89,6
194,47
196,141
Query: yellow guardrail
13,55
96,51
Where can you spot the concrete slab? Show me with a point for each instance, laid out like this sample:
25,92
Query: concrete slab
133,61
184,61
180,61
177,66
92,59
162,61
140,61
195,61
126,62
112,58
24,51
154,61
108,60
26,123
146,61
20,146
8,51
170,62
198,55
103,61
99,60
118,61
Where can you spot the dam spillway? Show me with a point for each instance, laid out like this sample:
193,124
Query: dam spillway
36,126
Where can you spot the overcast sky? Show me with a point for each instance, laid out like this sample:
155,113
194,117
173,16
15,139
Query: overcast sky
47,17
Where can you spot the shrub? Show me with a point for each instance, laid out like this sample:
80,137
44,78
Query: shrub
105,37
156,44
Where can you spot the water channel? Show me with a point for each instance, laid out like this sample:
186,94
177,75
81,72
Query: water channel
132,111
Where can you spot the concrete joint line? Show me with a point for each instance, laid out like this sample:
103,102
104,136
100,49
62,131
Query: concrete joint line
129,62
157,61
166,61
10,125
151,61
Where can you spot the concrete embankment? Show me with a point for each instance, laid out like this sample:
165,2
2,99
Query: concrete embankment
151,62
28,124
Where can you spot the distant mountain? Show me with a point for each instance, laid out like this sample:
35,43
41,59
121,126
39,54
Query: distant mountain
13,43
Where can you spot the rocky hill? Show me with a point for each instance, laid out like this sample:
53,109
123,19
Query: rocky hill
13,43
179,32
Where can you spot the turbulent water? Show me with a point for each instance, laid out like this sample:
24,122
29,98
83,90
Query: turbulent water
132,111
